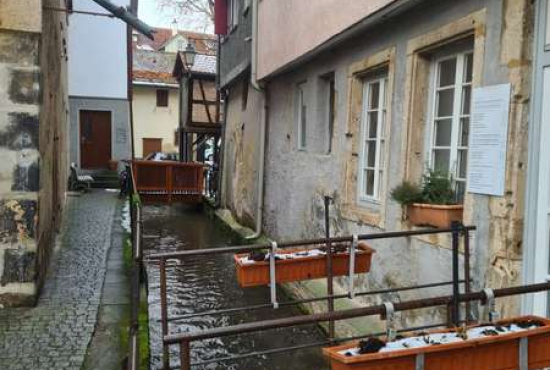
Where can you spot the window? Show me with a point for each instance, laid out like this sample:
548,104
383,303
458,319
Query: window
162,98
371,160
327,100
301,116
450,121
232,14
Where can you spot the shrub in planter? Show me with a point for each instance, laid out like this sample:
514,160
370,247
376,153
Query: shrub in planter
299,264
481,347
432,204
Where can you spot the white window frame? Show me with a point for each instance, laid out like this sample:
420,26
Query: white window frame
301,128
233,14
456,117
379,170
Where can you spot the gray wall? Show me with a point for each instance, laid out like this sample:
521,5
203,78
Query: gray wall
296,181
120,125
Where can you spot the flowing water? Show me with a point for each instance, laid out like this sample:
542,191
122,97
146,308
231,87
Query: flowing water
209,283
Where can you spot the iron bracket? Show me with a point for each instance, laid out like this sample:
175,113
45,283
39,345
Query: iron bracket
272,277
389,316
491,304
352,250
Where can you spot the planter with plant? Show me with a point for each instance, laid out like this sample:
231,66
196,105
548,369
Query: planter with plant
299,264
434,203
496,346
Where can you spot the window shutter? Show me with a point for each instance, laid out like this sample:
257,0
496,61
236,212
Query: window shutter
220,17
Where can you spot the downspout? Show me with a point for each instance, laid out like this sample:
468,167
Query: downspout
221,97
130,75
263,121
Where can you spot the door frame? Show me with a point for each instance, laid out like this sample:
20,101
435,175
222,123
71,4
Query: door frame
536,237
79,152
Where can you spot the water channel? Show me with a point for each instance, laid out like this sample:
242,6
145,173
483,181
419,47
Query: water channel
208,284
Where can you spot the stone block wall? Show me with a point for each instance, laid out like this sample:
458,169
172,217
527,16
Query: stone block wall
33,126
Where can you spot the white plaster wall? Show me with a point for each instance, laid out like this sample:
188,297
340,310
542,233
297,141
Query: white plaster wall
306,24
151,121
97,53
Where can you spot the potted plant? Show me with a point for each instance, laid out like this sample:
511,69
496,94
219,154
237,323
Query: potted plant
299,264
432,204
481,347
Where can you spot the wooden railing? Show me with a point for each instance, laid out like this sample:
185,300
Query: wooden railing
168,181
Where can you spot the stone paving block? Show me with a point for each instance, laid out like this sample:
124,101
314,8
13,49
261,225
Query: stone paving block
56,333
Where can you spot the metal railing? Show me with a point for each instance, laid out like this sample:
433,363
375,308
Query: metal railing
452,302
136,272
167,181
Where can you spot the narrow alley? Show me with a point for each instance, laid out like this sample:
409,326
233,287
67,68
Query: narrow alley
56,333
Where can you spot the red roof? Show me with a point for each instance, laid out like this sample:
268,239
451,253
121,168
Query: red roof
204,43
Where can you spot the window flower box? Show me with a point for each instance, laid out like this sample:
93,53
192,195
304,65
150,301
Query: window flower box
300,264
440,216
483,347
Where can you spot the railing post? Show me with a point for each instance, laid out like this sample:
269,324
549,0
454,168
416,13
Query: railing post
467,287
330,288
455,313
164,313
185,356
169,177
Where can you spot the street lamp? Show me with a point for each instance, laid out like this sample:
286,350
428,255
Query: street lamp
189,55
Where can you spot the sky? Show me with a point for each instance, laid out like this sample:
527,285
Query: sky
149,12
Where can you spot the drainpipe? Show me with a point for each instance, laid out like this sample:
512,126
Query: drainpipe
263,121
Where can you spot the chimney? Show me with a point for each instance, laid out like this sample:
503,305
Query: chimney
174,27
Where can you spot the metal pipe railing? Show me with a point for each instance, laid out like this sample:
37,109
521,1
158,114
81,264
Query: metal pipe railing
137,263
303,242
456,230
307,300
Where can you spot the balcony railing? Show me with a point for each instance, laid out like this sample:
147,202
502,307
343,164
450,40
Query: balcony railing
167,181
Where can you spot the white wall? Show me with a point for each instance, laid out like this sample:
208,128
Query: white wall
97,53
154,122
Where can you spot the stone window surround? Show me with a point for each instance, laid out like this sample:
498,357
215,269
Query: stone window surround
371,213
419,67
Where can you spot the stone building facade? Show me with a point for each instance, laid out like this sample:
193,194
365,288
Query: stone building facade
317,80
33,142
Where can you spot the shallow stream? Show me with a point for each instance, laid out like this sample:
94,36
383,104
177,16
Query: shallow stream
204,284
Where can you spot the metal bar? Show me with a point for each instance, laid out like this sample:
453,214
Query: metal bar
272,277
455,314
306,300
69,11
346,314
305,346
185,356
297,243
127,17
467,286
352,249
330,281
164,313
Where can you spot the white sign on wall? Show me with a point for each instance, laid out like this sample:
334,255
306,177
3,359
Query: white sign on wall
488,139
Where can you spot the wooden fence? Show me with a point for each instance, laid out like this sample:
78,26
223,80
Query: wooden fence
167,181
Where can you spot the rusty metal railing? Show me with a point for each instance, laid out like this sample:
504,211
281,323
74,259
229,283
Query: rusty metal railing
457,232
136,272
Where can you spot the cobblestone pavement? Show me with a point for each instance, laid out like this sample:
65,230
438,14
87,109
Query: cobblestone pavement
55,334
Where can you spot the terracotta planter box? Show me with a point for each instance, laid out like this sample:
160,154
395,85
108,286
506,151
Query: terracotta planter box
434,215
486,353
298,269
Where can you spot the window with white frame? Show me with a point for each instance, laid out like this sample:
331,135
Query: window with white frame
371,159
450,123
232,14
301,115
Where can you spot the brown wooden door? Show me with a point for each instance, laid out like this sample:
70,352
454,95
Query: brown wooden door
95,139
151,145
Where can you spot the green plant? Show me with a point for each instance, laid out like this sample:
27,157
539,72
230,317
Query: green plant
406,193
436,189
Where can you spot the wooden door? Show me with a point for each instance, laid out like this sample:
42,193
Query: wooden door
95,139
151,145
